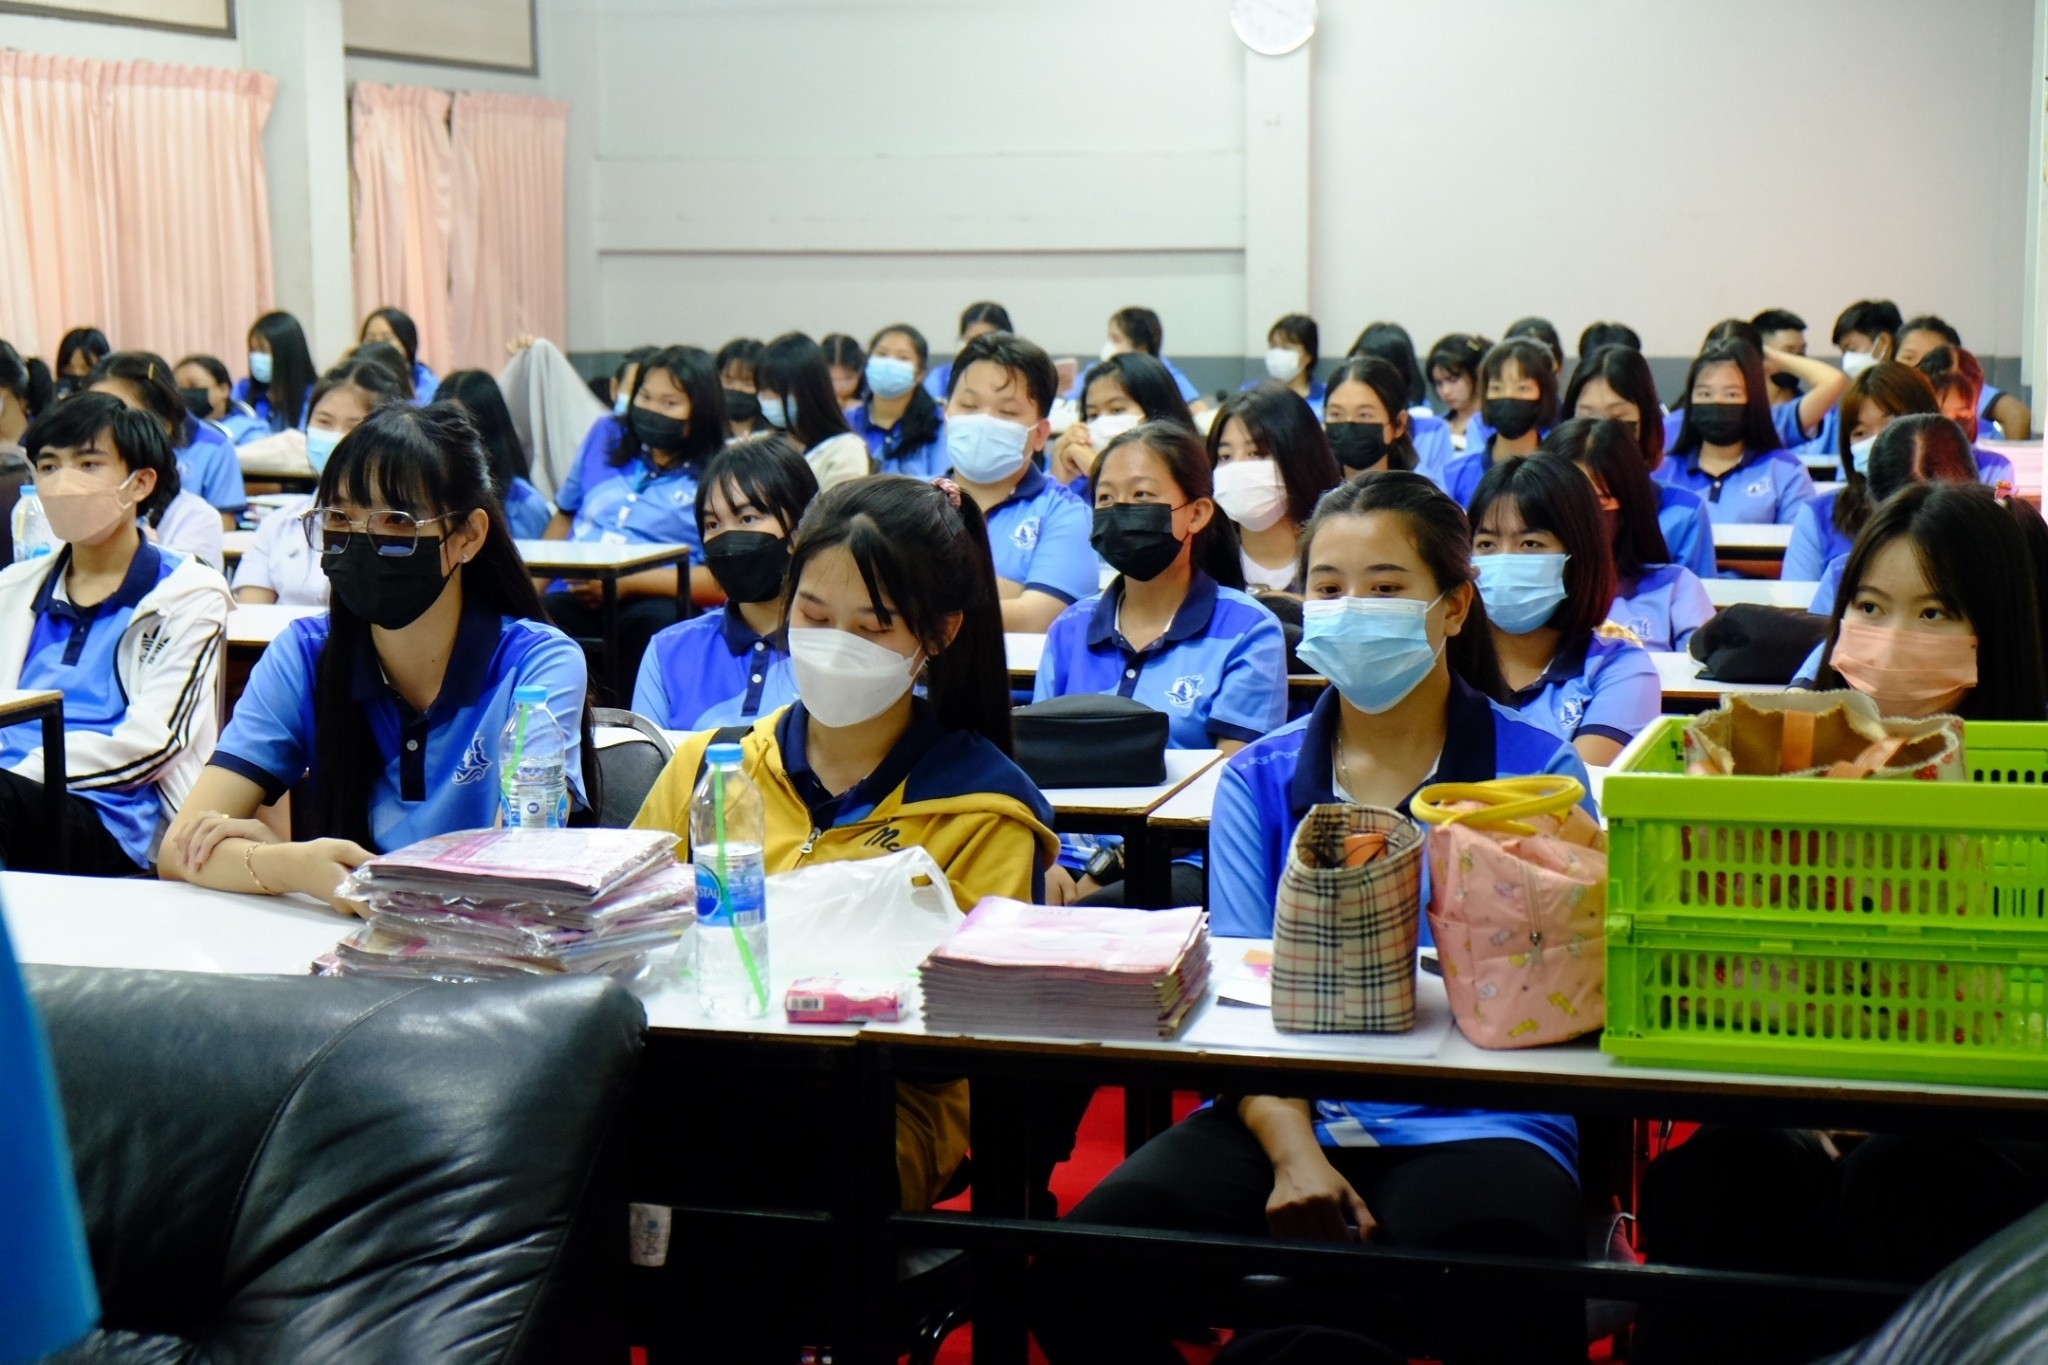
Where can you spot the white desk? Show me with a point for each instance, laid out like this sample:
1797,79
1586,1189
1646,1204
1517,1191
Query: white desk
1190,807
1742,540
1023,650
1182,767
252,626
1769,592
233,545
1680,676
167,926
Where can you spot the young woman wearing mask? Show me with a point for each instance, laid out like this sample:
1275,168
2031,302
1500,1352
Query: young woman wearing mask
1958,381
207,464
1272,463
209,393
1427,432
1293,346
1519,381
526,512
80,350
1116,395
1364,419
1139,329
393,327
1826,527
1728,452
281,372
796,396
1615,382
901,423
847,364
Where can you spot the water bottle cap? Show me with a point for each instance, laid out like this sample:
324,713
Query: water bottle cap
28,490
722,753
535,694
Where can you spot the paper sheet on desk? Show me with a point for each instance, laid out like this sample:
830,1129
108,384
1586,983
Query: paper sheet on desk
1220,1025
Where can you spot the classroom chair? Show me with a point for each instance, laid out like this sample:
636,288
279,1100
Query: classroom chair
631,753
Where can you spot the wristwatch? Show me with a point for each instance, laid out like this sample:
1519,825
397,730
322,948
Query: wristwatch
1106,864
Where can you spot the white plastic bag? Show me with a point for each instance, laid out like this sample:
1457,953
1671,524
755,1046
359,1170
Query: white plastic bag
871,920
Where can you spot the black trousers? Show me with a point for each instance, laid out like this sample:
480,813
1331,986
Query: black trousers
1772,1200
1209,1174
1188,884
28,844
639,619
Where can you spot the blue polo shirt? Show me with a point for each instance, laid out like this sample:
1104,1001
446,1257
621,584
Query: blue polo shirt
72,649
1669,603
438,768
592,465
273,422
886,448
241,424
1992,467
1608,688
526,512
710,671
1188,392
938,376
641,505
1815,540
1828,584
1825,438
1766,488
1461,474
1431,436
1039,538
424,384
1688,533
1986,399
209,467
1264,792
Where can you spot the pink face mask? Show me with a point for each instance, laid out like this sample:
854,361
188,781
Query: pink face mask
83,508
1908,673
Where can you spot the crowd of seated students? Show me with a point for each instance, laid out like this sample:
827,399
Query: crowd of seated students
1481,586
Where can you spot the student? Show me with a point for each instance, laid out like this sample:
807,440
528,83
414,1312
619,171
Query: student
847,364
890,585
730,665
648,496
1657,601
1396,625
1454,374
1293,347
1958,382
383,715
25,390
1003,389
1431,436
1728,451
526,512
1615,382
395,328
1598,336
1782,330
1139,329
795,393
282,564
1519,380
1272,463
1173,630
281,373
738,362
1827,525
209,393
181,520
1116,395
131,634
901,423
1922,335
976,319
80,350
1547,578
207,464
1365,421
1866,332
1543,330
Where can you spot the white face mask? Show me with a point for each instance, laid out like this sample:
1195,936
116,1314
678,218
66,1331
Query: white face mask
843,679
1251,493
984,448
1110,425
1856,362
1109,352
1283,363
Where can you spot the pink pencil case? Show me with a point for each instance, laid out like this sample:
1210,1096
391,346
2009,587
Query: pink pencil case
835,1000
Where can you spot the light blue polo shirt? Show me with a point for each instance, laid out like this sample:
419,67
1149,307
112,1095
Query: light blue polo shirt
72,650
592,465
526,512
1688,533
1815,540
424,384
1266,789
710,671
1766,488
1669,603
439,768
1992,467
240,424
1460,475
1826,438
885,446
1825,588
641,505
1039,538
1986,399
1431,436
940,375
272,422
209,467
1609,688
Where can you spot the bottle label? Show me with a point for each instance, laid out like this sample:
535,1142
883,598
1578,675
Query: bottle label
744,894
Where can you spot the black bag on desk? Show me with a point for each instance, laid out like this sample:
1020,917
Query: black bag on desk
1753,643
1091,740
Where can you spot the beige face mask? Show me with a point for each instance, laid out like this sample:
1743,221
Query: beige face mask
82,508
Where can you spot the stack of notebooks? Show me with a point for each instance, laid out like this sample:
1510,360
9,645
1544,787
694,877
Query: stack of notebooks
500,903
1068,972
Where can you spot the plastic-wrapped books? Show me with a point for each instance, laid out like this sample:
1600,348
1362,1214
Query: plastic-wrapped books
1068,971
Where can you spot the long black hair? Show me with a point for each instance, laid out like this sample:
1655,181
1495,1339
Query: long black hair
1970,549
28,380
402,327
1390,342
1551,495
1604,448
924,558
1901,391
696,374
152,379
1443,537
429,462
391,358
1759,433
1215,550
1627,374
89,340
794,368
842,350
292,373
1284,429
1146,382
365,375
919,424
765,469
481,397
1384,379
1924,447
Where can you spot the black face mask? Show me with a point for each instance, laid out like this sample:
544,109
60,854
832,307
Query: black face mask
748,565
1359,445
1511,417
1719,424
198,402
1788,382
742,406
387,592
655,431
1136,538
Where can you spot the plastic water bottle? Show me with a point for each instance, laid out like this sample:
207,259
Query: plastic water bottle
32,537
533,764
727,830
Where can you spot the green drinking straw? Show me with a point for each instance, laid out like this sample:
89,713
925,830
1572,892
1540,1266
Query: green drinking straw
725,895
519,715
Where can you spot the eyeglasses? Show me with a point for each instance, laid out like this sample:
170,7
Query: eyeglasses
394,535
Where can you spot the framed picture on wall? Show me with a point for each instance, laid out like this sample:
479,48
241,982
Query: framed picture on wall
496,35
215,18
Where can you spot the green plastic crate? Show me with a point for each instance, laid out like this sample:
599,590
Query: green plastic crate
1893,930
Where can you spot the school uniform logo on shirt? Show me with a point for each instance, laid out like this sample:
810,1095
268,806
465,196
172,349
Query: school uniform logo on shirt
1025,537
1760,489
1571,711
1184,691
475,765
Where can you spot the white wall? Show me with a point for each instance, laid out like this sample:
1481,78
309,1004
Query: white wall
116,42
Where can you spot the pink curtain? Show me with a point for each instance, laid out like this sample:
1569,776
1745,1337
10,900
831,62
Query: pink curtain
132,198
404,208
507,261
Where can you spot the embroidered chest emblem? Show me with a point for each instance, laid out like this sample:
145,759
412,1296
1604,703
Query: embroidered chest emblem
475,765
1572,710
1025,537
1759,489
1184,691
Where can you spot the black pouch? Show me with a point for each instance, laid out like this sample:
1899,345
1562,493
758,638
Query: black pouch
1091,740
1751,643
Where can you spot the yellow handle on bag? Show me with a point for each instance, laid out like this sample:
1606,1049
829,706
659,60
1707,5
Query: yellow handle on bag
1508,800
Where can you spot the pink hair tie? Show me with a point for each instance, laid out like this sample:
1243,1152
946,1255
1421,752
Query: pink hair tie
950,489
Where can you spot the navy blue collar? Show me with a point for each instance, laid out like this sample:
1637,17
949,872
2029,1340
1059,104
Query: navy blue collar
1468,754
1190,619
143,571
476,643
791,734
1569,662
739,636
189,432
1692,462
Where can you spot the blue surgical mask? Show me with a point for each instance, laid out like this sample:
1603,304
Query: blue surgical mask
261,366
1520,591
320,444
889,377
1859,455
985,448
776,413
1374,650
